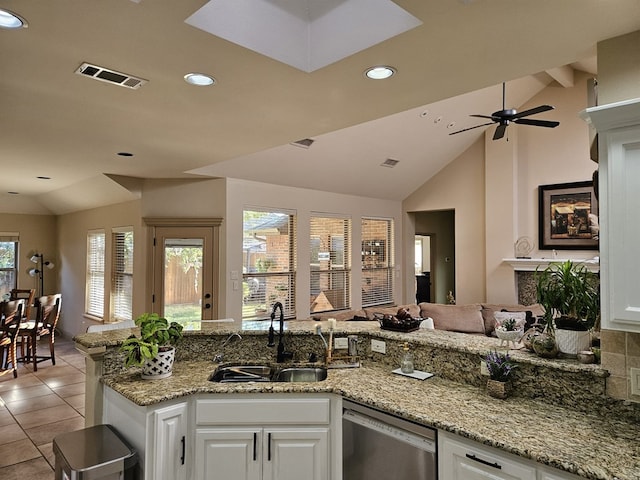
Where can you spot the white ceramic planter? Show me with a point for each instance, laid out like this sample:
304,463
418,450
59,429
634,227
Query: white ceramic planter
160,366
571,342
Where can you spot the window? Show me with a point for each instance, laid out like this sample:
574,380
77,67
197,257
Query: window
377,261
8,262
122,275
269,260
94,303
330,263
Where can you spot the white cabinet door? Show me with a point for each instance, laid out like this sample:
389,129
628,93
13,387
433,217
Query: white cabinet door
465,460
228,454
169,445
296,453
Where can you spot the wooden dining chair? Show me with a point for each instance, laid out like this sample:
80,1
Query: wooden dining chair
44,325
10,318
28,294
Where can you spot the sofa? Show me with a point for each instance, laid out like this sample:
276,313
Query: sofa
473,318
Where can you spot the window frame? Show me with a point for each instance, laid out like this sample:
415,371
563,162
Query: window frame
377,242
95,277
278,285
121,293
14,238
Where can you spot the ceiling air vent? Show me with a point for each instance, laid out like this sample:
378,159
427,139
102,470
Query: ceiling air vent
390,162
110,76
304,143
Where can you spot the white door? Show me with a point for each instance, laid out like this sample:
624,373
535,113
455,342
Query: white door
183,273
228,454
169,452
295,454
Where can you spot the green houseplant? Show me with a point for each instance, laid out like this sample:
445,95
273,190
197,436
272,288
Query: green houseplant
570,296
154,350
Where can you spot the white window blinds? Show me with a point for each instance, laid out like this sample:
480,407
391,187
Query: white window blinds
377,261
8,262
94,301
269,262
122,275
330,263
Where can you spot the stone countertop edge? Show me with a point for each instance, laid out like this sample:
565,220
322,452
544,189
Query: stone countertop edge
587,445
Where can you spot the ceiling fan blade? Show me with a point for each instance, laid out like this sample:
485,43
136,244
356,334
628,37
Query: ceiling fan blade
471,128
495,119
533,111
537,123
499,133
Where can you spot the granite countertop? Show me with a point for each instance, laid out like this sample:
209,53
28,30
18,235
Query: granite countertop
588,445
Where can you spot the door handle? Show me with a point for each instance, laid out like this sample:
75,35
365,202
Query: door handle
183,450
471,456
255,445
269,447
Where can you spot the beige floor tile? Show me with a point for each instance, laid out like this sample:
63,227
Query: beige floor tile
70,390
11,433
46,433
56,382
5,417
37,469
46,416
47,452
27,379
23,393
76,401
37,403
16,452
46,370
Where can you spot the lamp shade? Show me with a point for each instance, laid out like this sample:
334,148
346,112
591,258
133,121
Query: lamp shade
33,272
35,258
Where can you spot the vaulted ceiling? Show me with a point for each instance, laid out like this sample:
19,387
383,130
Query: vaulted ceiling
58,124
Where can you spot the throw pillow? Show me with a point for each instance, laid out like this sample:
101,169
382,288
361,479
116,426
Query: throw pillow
455,318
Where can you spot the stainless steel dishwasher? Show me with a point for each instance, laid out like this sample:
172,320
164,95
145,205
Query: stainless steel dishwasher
376,445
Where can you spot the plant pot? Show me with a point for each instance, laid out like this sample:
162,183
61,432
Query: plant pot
498,389
570,342
161,366
507,336
545,345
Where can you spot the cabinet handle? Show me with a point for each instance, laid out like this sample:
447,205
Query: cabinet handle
255,444
471,456
182,440
269,447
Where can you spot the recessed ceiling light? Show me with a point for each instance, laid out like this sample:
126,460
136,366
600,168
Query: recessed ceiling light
199,79
380,72
11,20
125,154
44,178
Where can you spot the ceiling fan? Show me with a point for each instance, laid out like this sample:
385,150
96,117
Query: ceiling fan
508,115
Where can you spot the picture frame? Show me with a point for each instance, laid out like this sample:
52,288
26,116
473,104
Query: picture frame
568,216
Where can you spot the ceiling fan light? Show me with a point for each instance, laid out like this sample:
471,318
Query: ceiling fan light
380,72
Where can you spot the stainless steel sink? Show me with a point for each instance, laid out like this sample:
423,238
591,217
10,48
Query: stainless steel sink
266,373
301,374
241,373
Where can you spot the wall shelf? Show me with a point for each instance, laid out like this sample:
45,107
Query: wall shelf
533,264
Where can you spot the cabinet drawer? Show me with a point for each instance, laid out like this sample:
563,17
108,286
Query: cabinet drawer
240,411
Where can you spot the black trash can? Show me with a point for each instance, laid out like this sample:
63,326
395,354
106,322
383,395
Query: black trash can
94,453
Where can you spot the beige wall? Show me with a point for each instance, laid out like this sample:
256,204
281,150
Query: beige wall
72,239
37,235
619,79
460,187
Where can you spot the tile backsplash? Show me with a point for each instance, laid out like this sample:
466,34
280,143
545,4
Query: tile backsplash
620,353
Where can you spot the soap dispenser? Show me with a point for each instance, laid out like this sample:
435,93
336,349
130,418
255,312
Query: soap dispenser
406,364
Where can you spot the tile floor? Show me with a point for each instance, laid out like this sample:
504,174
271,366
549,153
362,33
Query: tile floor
37,406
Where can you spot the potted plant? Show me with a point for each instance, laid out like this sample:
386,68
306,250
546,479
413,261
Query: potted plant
154,350
500,367
570,295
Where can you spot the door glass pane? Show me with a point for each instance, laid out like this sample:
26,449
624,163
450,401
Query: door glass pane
183,259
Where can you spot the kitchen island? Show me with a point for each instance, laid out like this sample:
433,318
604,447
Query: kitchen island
562,434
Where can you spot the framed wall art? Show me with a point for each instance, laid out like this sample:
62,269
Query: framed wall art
568,216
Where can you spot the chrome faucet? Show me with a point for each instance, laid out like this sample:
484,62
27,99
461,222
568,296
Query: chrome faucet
218,357
281,355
